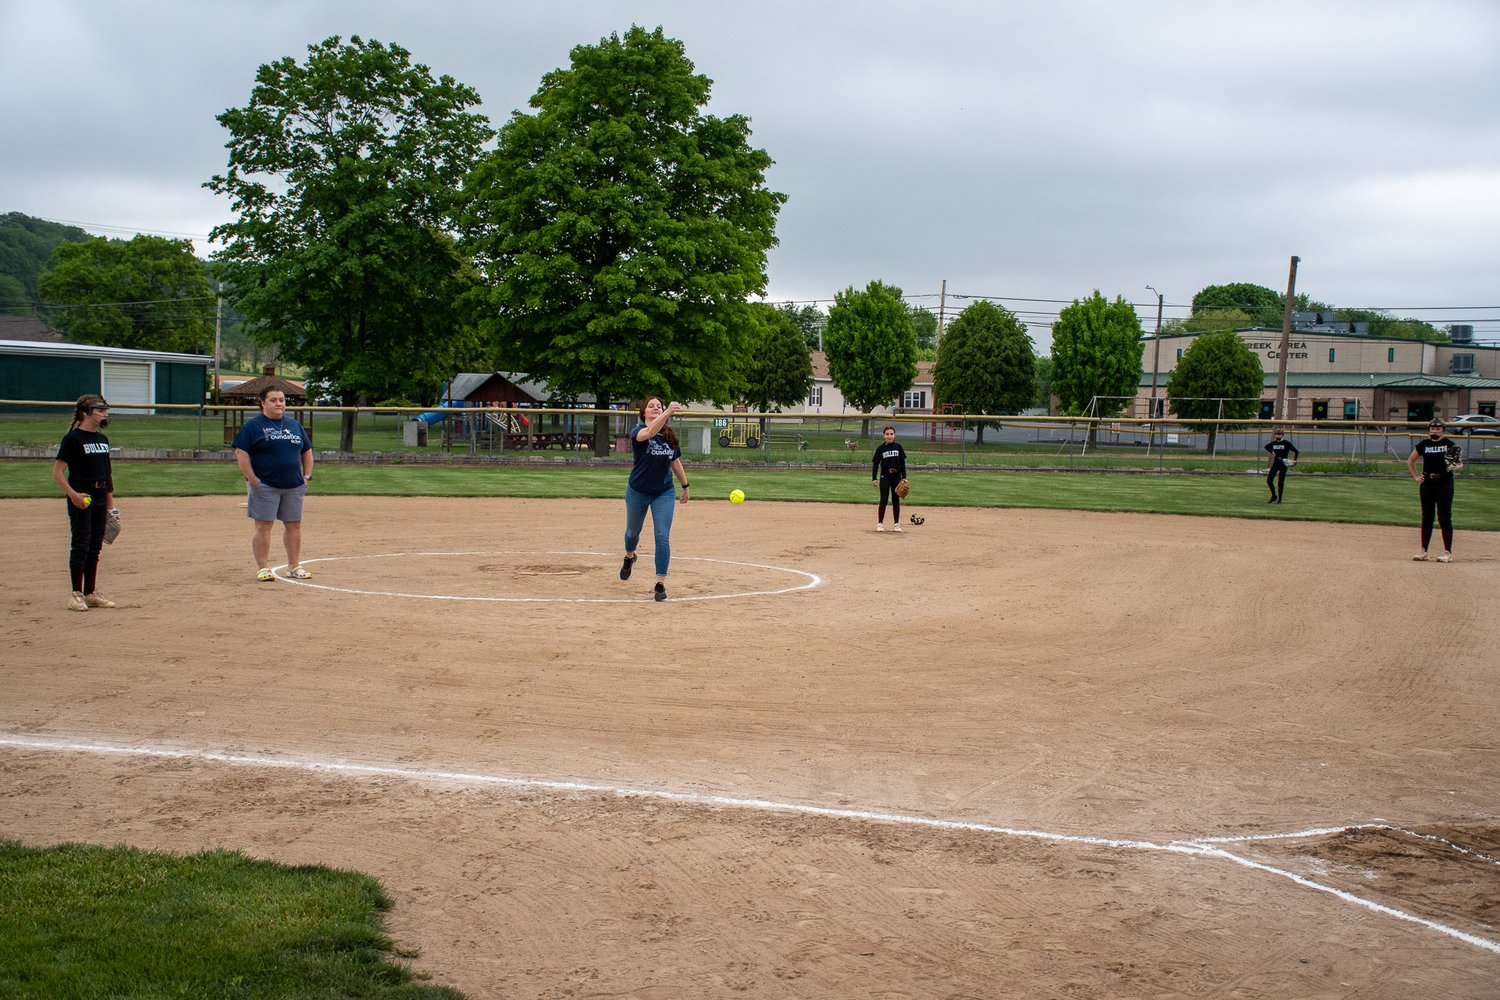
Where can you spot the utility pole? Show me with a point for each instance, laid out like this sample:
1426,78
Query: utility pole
942,301
1286,340
218,323
1156,362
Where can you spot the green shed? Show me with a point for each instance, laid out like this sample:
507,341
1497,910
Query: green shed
37,370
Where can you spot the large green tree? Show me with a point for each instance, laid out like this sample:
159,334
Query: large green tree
1218,376
780,369
985,363
1096,355
925,323
622,228
345,173
871,346
148,293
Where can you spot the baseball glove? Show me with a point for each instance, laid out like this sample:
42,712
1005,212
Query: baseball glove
903,488
112,527
1455,456
1291,462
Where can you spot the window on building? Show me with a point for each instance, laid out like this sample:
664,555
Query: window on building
1488,409
1351,409
815,396
915,399
1159,407
1330,355
1320,409
1267,409
1179,354
1390,355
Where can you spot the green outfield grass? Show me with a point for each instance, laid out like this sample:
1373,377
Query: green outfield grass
1351,499
86,922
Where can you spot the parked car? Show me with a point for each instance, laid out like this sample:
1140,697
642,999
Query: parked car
1474,423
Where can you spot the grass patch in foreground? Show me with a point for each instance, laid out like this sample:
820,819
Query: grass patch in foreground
83,922
1354,500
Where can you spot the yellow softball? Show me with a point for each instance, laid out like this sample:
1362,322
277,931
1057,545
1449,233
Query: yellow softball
737,496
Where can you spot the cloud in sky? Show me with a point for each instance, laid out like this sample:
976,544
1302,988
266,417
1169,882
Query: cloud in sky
1030,151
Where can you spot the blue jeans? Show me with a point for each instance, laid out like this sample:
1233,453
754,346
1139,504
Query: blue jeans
661,507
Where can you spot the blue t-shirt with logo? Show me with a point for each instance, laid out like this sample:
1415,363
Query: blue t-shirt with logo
275,448
652,473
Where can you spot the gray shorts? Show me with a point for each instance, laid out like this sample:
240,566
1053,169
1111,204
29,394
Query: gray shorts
268,503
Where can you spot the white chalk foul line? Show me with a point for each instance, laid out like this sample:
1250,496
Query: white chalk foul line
811,579
1202,848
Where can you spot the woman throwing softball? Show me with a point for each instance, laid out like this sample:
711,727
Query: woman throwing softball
657,460
82,469
1435,486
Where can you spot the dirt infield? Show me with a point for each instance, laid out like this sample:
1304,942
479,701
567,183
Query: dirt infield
982,758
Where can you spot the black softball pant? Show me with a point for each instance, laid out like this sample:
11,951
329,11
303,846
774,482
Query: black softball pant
888,494
1276,478
88,540
1437,498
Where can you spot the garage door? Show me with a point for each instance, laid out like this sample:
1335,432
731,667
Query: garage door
127,382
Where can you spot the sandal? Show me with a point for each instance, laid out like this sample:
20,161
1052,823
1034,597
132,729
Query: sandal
265,576
298,573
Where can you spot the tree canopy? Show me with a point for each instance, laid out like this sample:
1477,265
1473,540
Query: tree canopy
809,320
985,363
780,369
1218,376
148,293
345,174
26,247
1096,354
871,346
622,228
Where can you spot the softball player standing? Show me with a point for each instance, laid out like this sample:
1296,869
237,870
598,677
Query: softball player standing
888,468
83,472
1434,486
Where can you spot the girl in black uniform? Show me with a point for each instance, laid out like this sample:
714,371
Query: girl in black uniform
82,470
1435,486
886,470
1281,449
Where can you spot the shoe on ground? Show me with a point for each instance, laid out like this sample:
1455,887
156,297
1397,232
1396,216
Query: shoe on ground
76,601
298,573
660,592
895,527
626,566
1272,500
265,576
1420,556
97,600
879,527
1445,557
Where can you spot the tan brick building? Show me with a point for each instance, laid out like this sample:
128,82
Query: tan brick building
1340,376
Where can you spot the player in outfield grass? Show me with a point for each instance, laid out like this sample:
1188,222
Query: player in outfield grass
82,470
1439,457
658,459
1283,454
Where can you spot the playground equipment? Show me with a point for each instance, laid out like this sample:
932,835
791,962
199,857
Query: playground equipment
739,434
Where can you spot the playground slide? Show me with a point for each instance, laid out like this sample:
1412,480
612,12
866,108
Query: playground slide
434,416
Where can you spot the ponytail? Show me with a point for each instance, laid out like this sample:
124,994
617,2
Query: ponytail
81,407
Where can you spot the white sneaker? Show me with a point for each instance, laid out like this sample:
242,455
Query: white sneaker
879,527
1446,557
896,528
1420,556
97,600
76,601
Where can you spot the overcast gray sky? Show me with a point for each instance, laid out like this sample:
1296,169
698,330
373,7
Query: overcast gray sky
1025,151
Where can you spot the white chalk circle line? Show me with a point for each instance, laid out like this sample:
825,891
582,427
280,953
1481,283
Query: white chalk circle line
810,580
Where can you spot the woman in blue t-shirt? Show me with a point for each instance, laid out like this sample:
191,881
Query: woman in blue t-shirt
657,460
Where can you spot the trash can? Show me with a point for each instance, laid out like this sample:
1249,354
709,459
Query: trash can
414,434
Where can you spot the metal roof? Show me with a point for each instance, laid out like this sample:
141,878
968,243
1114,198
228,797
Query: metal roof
50,350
